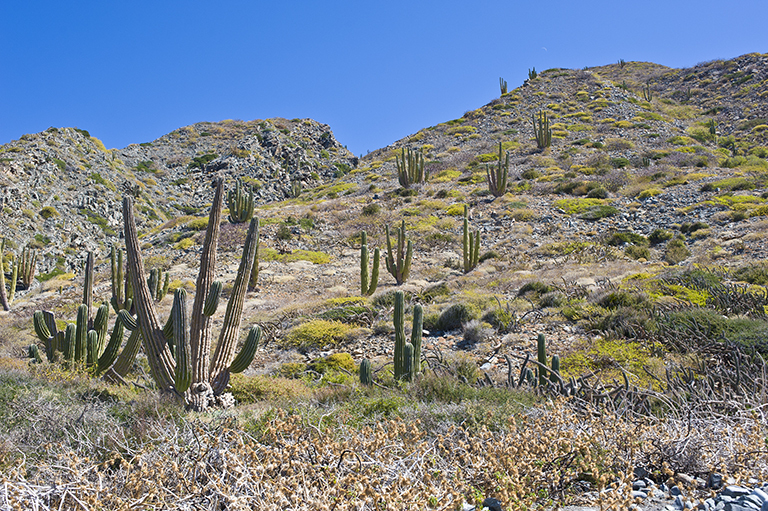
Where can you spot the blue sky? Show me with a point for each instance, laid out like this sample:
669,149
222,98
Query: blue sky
130,72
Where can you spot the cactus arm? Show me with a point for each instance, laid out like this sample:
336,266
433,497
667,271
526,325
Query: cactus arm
541,349
364,270
126,358
374,281
88,287
161,362
223,355
212,301
81,334
255,270
92,341
183,372
109,355
245,357
200,324
69,342
14,280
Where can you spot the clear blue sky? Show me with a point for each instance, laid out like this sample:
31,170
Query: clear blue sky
131,71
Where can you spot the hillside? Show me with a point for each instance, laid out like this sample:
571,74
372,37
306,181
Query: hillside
634,244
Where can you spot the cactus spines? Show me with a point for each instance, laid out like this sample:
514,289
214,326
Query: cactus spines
240,205
245,357
183,372
368,285
212,300
497,177
410,167
542,131
366,376
470,245
541,351
399,262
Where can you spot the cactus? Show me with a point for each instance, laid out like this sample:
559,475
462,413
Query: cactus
503,86
12,284
296,188
470,245
254,279
209,375
245,357
712,127
542,131
121,290
554,376
410,168
240,205
407,356
532,74
541,349
3,296
368,285
366,376
34,353
88,290
497,178
26,266
45,328
647,93
156,289
399,262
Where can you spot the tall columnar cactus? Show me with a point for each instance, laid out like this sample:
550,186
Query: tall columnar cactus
209,376
399,261
503,86
88,288
647,93
497,177
366,375
254,278
410,168
368,285
240,205
407,355
3,296
470,245
541,350
532,74
13,282
158,289
122,295
542,131
26,266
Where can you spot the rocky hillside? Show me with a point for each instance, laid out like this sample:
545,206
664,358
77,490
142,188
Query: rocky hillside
60,190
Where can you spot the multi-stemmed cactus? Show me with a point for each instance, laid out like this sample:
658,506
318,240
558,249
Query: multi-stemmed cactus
647,93
542,131
368,285
122,291
470,245
407,354
25,267
399,261
410,168
156,289
503,86
240,204
208,377
497,177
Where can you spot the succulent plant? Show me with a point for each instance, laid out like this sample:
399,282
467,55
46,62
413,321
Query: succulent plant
541,350
410,167
542,131
209,376
368,285
503,86
497,177
240,205
366,376
25,268
470,245
399,261
4,302
407,356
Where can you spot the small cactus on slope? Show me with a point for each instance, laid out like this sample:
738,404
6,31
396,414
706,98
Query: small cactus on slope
470,245
497,177
368,285
399,261
240,204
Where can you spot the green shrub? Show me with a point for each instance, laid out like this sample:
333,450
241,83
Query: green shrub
754,274
198,224
676,251
598,212
620,238
371,209
659,236
454,317
317,333
636,252
48,212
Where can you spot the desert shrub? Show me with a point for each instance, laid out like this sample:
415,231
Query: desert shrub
597,193
598,212
636,252
284,232
621,238
659,236
753,273
552,299
371,209
536,288
454,317
251,389
647,193
688,227
476,331
48,212
198,224
676,251
317,333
